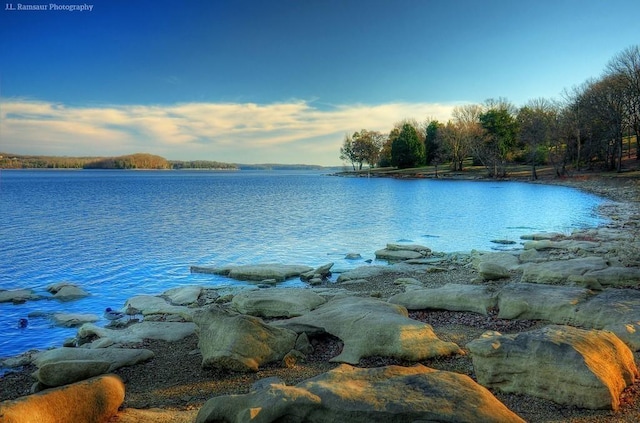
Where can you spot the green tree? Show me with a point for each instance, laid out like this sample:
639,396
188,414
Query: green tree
346,151
500,132
432,141
407,150
367,146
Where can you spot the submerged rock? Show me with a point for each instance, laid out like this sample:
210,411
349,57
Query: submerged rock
257,272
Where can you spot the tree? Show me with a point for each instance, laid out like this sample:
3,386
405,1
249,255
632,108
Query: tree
368,144
362,147
463,133
407,150
626,65
537,126
500,130
346,151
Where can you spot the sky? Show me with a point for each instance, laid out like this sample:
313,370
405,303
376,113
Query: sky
280,81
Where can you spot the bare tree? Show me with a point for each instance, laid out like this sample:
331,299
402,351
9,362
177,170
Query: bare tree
626,65
537,122
463,133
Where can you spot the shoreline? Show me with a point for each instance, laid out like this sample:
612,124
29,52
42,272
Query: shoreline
141,394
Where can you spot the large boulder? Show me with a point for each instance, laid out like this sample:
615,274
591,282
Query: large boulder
349,394
277,302
370,327
257,272
238,342
165,331
453,297
91,401
582,368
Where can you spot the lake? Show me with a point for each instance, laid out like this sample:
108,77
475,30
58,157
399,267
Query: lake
122,233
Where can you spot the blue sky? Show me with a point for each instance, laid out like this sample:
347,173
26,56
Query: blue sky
281,81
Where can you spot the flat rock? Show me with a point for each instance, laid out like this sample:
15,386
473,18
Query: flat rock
257,272
277,302
363,272
559,271
616,276
370,327
164,331
70,371
118,357
238,342
525,301
505,260
93,400
453,297
73,319
392,394
397,255
183,295
149,305
570,366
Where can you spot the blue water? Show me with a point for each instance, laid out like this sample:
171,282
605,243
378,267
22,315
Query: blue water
122,233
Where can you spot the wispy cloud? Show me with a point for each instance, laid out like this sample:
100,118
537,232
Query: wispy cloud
291,132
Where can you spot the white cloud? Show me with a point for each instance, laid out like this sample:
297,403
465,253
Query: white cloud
292,132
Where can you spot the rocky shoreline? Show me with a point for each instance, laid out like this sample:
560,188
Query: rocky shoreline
572,290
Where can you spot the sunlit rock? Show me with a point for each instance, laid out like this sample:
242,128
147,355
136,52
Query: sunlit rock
370,327
570,366
348,394
93,400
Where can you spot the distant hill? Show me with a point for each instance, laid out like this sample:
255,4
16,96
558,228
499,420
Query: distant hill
134,161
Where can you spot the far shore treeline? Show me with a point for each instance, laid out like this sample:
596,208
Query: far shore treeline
132,161
595,126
